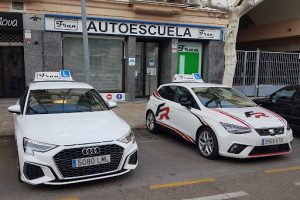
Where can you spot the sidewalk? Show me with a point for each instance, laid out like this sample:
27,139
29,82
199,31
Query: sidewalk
132,113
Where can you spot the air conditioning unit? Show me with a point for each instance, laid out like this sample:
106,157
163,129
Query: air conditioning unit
192,3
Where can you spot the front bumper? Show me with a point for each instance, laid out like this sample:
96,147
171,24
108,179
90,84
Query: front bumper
46,168
250,145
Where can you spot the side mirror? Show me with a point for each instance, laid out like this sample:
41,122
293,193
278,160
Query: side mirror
112,104
15,109
185,102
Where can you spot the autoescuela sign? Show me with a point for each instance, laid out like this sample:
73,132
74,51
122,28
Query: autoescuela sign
138,28
11,21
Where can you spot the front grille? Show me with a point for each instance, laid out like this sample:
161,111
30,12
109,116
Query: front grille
32,171
133,158
64,158
270,131
260,150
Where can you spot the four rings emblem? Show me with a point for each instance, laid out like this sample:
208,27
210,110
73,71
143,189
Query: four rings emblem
91,151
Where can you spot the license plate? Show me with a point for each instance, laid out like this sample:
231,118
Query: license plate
84,162
272,141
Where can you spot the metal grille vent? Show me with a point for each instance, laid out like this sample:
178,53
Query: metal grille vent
64,158
9,36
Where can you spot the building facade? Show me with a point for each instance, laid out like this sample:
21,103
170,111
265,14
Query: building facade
134,45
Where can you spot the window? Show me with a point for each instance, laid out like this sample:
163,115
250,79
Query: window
64,101
167,92
284,93
17,5
216,97
106,62
185,93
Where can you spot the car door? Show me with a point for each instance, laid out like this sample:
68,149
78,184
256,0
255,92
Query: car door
184,119
164,111
283,101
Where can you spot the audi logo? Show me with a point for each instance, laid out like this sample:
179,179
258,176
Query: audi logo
91,151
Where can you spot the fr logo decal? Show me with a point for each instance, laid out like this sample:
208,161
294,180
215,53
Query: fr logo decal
256,115
162,112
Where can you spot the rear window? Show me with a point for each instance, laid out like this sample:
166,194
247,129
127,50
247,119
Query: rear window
167,92
64,101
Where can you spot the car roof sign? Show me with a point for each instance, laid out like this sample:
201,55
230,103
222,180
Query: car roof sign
184,78
62,75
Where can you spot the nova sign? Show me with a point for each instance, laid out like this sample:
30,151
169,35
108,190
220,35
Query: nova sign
149,29
11,21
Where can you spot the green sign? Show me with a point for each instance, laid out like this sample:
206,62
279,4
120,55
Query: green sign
189,59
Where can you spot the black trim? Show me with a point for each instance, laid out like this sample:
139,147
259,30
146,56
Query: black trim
32,171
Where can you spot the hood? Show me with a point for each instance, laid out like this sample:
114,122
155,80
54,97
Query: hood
74,128
256,117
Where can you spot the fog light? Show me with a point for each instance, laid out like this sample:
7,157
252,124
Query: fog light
237,148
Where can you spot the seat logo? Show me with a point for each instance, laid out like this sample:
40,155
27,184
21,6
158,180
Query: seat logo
90,151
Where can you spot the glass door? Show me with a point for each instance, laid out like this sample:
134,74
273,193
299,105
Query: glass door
146,76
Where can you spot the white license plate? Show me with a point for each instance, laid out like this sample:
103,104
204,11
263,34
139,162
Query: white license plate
97,160
272,141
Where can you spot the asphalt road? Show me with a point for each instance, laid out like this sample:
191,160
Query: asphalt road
169,168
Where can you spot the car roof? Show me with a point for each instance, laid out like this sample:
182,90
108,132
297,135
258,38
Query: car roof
58,85
194,85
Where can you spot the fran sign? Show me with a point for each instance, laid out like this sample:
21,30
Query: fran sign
137,28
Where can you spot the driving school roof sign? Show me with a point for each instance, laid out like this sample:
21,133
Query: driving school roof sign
129,27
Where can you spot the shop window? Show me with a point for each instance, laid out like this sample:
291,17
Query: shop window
105,62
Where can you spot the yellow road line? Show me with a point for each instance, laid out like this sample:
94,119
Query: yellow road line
181,183
270,171
68,198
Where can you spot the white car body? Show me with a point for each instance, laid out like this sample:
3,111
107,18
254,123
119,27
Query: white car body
186,122
71,133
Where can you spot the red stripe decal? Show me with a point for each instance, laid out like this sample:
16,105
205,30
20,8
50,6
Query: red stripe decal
276,115
178,132
233,117
270,154
156,94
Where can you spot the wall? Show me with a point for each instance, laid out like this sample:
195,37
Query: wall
44,51
213,63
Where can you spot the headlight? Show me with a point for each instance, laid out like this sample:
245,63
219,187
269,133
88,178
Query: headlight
235,129
288,127
127,138
31,145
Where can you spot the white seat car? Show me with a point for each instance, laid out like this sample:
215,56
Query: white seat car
66,133
218,119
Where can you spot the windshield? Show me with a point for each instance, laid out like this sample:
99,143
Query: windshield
64,101
216,97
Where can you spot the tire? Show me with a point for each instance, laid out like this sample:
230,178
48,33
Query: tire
207,144
151,122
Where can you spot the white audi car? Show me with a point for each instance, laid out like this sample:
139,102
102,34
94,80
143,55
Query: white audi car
66,133
218,119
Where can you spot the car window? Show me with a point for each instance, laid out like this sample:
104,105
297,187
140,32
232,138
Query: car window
167,92
185,93
64,101
23,100
217,97
284,93
297,96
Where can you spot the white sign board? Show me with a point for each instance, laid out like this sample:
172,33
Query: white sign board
117,97
131,61
148,29
62,75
